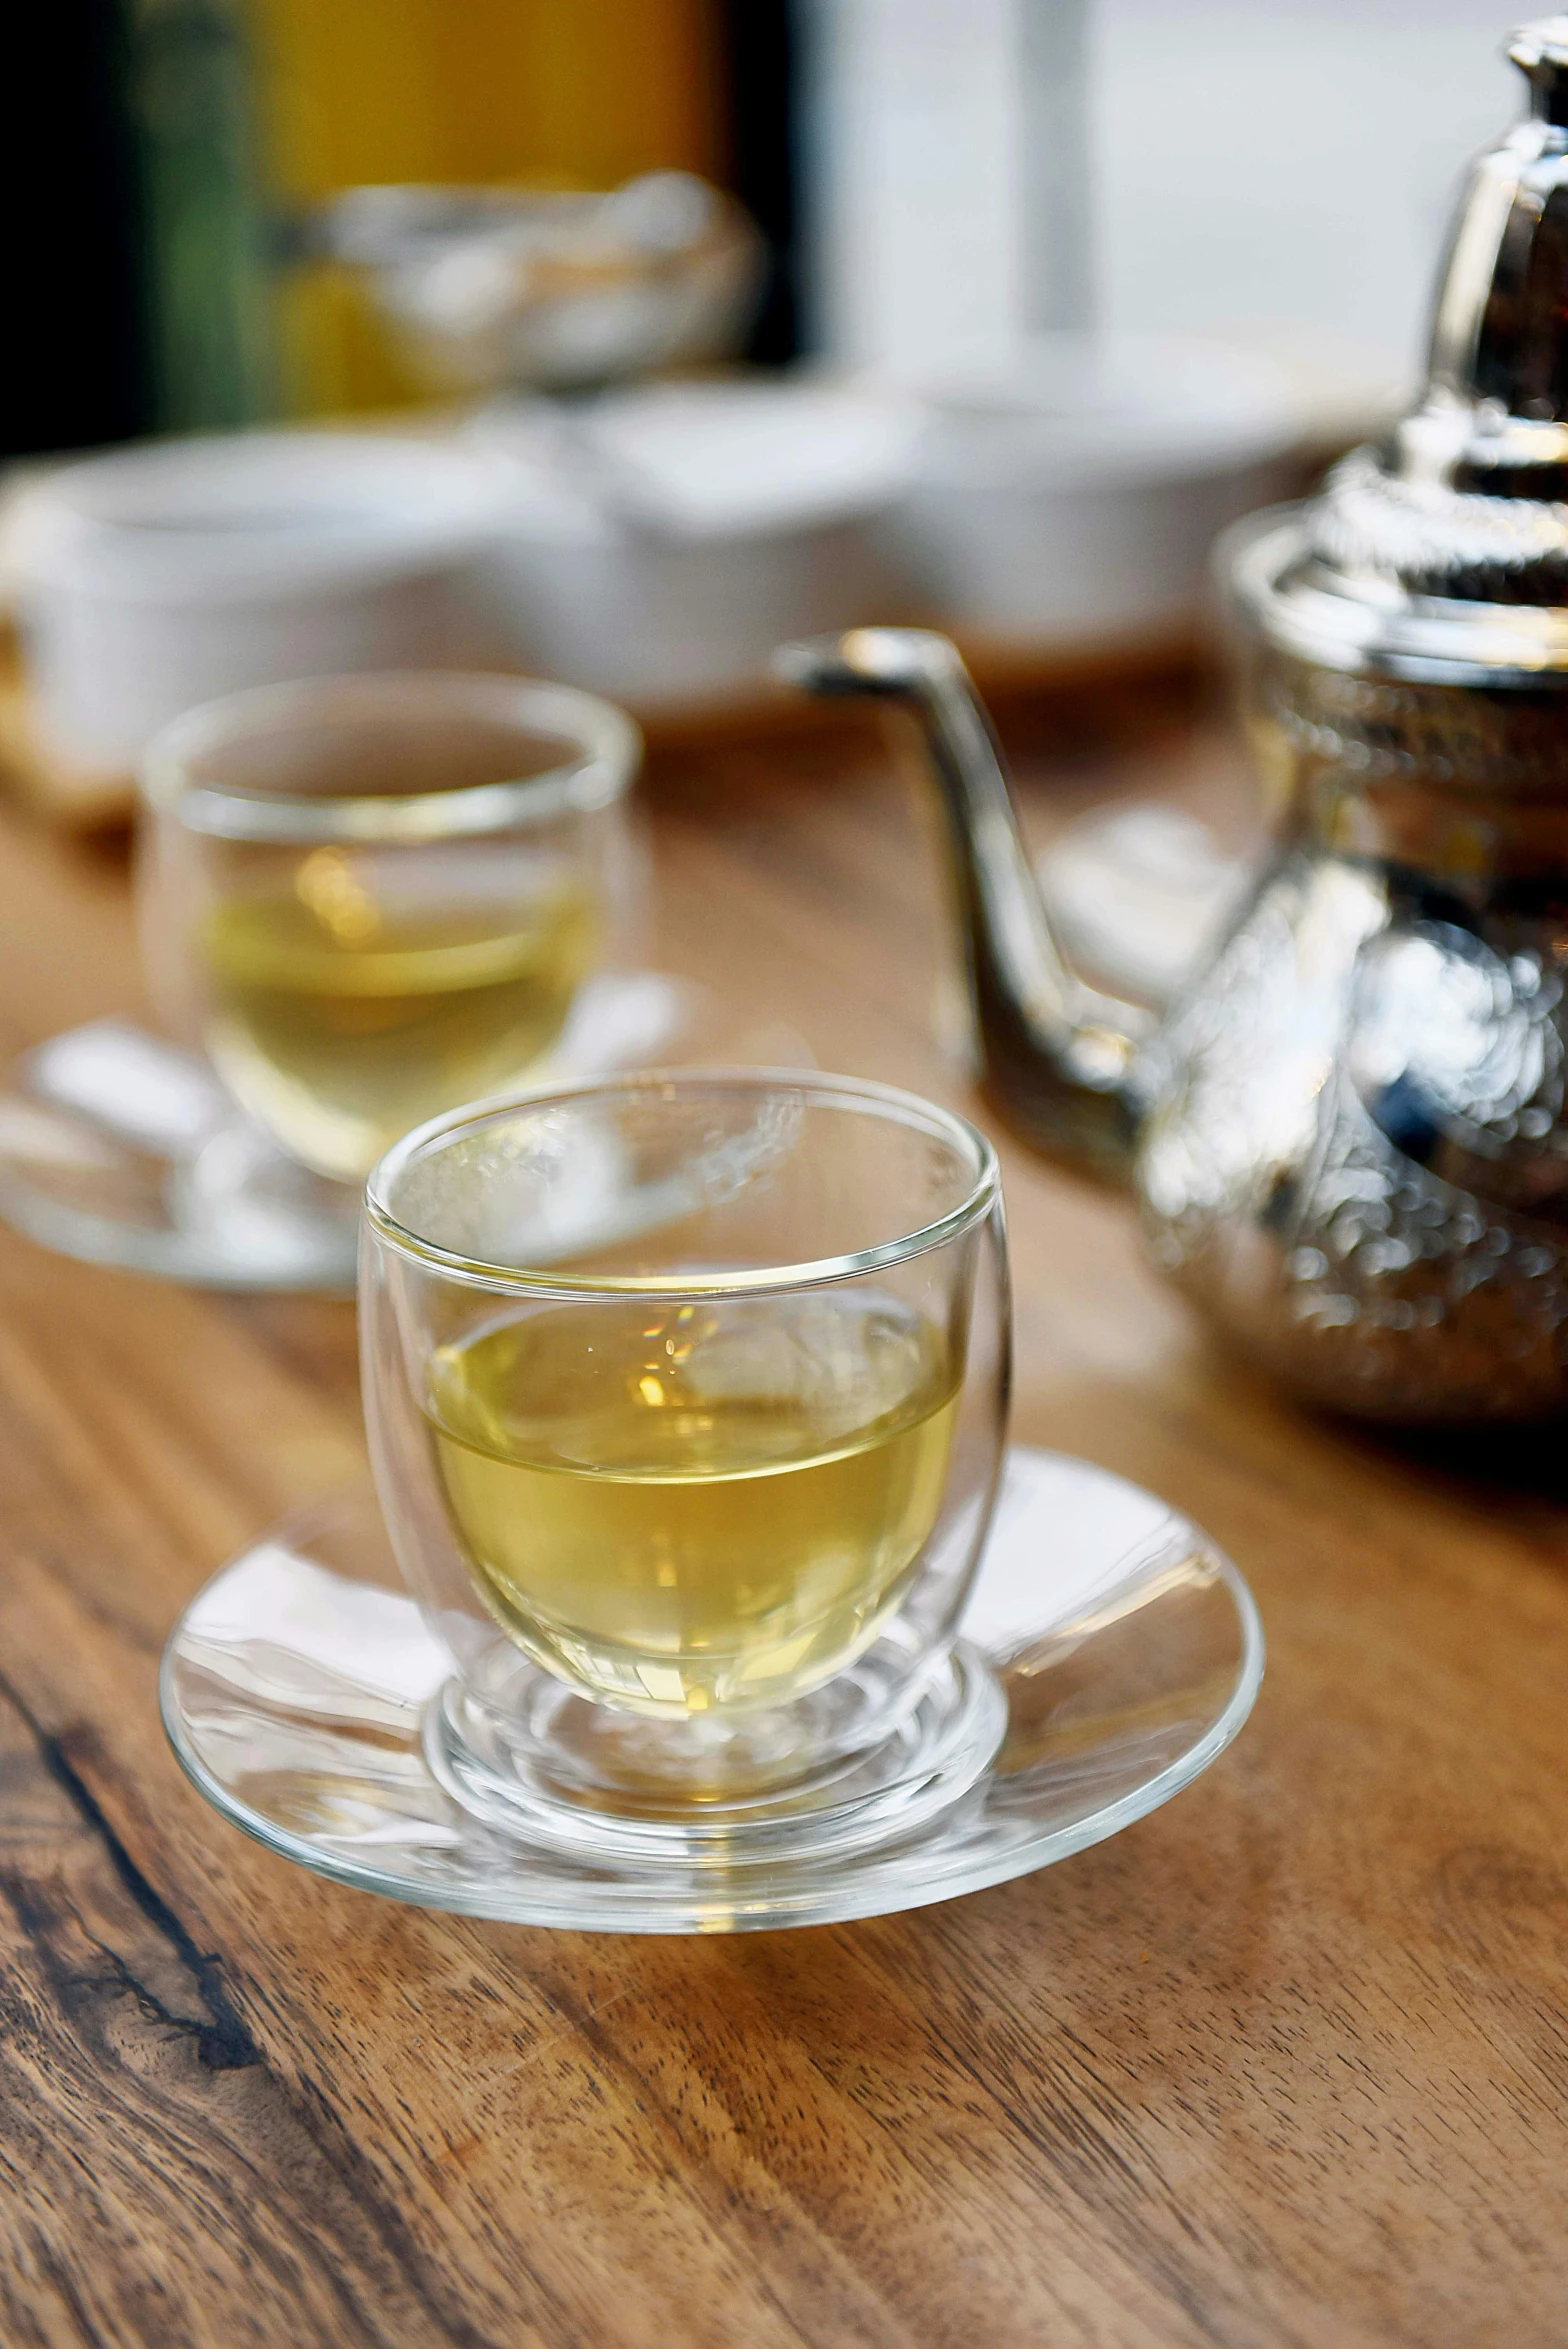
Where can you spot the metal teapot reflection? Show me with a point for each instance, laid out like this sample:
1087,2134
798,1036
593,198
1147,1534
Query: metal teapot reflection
1349,1136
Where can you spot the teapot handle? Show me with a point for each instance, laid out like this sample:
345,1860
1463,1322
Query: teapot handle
1056,1056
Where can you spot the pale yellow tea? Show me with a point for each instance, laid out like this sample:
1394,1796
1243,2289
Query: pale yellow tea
340,1024
698,1506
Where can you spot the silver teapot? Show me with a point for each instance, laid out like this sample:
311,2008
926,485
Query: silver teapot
1349,1135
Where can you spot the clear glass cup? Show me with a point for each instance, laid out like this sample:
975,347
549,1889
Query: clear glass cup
686,1397
367,899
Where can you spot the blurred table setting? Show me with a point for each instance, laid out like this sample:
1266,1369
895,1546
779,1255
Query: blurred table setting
653,543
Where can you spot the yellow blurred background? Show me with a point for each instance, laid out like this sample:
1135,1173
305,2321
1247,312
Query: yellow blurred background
547,93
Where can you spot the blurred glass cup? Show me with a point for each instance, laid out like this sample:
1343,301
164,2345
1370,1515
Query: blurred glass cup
549,290
370,899
686,1397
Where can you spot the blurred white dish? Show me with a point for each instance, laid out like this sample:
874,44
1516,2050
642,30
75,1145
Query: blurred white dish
659,543
154,578
1071,491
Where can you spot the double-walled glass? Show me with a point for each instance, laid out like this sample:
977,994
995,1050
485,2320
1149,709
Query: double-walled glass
369,899
686,1397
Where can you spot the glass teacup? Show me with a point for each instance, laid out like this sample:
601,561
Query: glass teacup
686,1397
368,899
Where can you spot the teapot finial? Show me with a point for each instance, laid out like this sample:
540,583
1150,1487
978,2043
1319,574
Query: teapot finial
1441,550
1498,342
1540,51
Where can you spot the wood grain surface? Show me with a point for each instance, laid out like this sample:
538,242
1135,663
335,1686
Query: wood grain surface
1285,2064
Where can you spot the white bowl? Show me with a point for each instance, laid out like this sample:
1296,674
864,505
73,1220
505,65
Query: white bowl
158,577
659,544
1071,492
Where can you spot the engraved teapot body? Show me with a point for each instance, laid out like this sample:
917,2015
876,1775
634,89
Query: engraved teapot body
1349,1135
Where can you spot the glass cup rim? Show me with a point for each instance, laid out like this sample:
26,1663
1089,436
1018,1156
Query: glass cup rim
608,750
892,1102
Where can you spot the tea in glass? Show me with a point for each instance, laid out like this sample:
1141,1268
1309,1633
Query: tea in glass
339,1021
696,1506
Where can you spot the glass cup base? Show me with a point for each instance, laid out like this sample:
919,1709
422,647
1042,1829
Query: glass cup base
556,1767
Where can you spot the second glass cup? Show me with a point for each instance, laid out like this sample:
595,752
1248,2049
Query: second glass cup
369,899
686,1397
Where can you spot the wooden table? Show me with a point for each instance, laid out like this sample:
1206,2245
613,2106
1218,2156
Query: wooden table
1287,2063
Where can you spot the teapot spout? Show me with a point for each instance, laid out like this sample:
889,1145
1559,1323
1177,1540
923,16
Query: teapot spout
1055,1056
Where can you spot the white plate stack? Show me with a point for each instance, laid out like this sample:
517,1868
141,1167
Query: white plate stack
154,578
654,544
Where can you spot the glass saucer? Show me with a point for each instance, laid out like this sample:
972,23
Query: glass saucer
121,1149
300,1685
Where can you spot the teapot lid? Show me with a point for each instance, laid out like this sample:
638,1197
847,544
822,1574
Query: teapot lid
1441,553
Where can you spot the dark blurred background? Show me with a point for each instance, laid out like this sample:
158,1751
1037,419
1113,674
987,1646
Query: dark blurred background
154,264
1274,176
